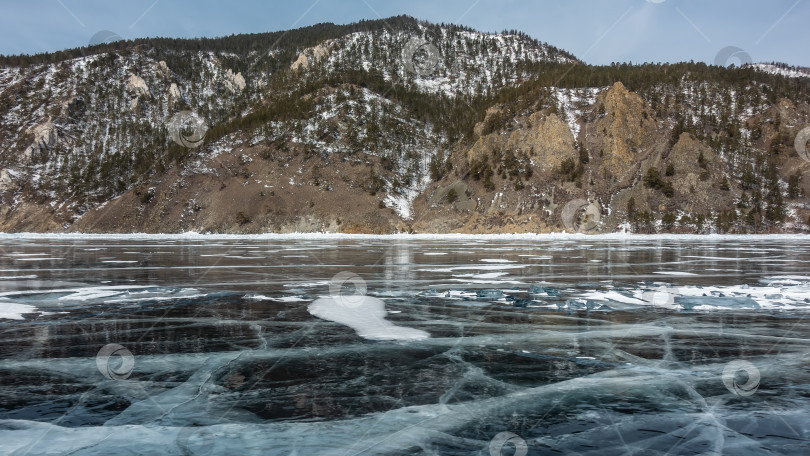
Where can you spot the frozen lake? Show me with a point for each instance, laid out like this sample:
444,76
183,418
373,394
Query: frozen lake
319,345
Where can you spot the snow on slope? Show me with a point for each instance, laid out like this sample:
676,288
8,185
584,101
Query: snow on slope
783,70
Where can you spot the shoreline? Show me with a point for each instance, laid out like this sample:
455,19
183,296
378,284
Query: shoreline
404,236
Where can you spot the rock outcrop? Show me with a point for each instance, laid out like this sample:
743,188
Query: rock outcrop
546,139
235,82
625,130
310,55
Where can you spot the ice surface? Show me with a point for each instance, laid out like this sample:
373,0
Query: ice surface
578,345
692,302
489,294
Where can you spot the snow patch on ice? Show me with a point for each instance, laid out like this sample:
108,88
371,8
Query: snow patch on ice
14,311
260,297
611,296
364,314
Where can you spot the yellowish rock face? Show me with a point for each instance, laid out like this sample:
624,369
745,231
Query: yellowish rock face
548,142
626,132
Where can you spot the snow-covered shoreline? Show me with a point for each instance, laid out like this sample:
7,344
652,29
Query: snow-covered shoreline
415,236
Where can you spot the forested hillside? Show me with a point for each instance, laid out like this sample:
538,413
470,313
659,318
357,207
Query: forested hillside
394,125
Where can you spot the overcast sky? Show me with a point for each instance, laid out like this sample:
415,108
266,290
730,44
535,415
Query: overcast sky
596,31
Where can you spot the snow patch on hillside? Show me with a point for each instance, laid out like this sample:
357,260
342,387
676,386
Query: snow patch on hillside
782,70
573,102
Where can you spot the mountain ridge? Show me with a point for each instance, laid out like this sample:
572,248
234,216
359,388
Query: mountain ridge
371,129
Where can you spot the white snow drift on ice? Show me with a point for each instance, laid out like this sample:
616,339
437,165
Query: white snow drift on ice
364,314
